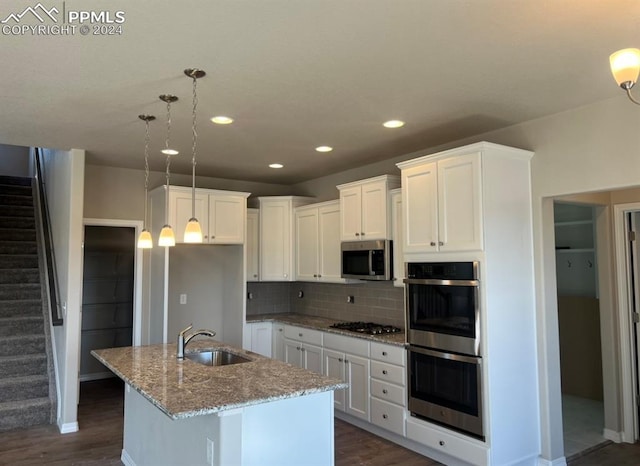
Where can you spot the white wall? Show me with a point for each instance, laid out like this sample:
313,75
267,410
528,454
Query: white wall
64,184
14,161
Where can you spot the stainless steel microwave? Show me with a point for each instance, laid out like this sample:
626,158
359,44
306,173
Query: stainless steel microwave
367,260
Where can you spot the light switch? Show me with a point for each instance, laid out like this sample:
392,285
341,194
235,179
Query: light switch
183,298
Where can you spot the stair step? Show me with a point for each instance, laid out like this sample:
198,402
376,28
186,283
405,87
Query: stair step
19,261
29,364
25,413
16,211
17,276
18,222
24,199
18,247
15,180
11,190
24,388
17,234
15,326
13,291
22,345
21,307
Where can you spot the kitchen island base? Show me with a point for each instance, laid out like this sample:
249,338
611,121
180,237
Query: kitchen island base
291,431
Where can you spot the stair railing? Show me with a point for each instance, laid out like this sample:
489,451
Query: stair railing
49,256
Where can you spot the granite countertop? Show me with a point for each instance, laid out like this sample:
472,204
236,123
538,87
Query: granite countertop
183,389
324,324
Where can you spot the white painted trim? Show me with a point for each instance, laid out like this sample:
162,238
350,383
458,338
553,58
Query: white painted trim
628,412
557,462
137,290
612,435
126,459
68,428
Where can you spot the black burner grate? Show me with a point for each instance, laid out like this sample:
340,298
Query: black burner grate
370,328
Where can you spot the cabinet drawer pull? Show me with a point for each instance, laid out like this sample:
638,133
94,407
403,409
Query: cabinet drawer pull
299,334
384,416
384,372
441,443
384,353
385,391
280,330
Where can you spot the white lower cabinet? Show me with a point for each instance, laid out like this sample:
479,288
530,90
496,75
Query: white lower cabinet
303,348
277,342
258,338
388,387
348,359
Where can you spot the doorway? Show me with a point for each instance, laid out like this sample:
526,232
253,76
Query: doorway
579,326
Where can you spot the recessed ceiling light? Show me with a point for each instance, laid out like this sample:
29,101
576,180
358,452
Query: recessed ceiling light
222,120
324,148
275,165
393,124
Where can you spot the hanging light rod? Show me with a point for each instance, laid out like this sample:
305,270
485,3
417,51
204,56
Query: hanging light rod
169,99
144,240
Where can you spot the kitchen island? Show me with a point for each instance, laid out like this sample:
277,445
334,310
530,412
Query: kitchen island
260,412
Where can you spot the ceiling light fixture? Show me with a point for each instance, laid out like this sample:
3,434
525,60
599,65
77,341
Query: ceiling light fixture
169,99
324,148
625,66
222,120
193,231
393,124
167,237
275,165
144,240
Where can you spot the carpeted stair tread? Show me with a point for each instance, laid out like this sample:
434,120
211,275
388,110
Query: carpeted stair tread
18,276
17,234
25,387
18,247
15,180
11,291
21,307
17,222
19,261
23,199
23,364
16,211
22,345
10,190
23,325
24,413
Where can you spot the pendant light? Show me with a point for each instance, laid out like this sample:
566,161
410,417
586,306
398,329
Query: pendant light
193,231
144,240
167,237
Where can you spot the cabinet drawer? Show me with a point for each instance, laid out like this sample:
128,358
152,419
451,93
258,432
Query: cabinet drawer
350,345
448,442
389,392
388,353
388,372
303,334
388,416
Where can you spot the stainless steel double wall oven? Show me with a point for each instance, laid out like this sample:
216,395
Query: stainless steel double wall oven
444,335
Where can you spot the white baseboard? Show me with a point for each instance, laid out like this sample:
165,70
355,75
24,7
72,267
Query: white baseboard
612,435
126,459
68,428
557,462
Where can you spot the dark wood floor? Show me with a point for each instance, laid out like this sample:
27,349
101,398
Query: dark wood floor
99,441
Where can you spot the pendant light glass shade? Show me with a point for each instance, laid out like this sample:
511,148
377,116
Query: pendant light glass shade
144,240
167,238
625,66
193,232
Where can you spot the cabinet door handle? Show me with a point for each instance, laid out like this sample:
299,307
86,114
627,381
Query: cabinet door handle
319,276
302,349
339,359
300,334
357,234
279,330
384,353
384,372
384,416
315,275
298,348
362,233
346,361
384,390
440,243
284,275
433,243
441,443
205,236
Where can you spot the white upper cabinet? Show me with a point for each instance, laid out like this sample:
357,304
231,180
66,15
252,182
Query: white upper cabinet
221,214
364,208
396,232
276,238
442,204
252,245
318,242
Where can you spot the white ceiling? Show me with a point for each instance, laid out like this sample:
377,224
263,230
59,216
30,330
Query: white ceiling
296,74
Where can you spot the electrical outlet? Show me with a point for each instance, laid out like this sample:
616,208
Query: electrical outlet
183,298
300,294
350,299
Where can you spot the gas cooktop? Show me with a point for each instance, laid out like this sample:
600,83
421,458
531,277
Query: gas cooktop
370,328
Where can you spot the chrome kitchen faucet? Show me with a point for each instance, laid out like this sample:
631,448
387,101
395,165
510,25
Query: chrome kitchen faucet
182,341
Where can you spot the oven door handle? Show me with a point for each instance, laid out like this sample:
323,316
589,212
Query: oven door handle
450,356
432,281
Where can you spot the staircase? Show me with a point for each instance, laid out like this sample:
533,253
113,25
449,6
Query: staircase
26,394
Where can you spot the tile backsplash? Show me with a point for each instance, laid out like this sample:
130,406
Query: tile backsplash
379,302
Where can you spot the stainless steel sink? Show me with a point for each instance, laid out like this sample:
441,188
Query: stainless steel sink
216,358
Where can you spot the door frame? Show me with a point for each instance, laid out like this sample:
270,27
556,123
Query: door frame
138,259
629,416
